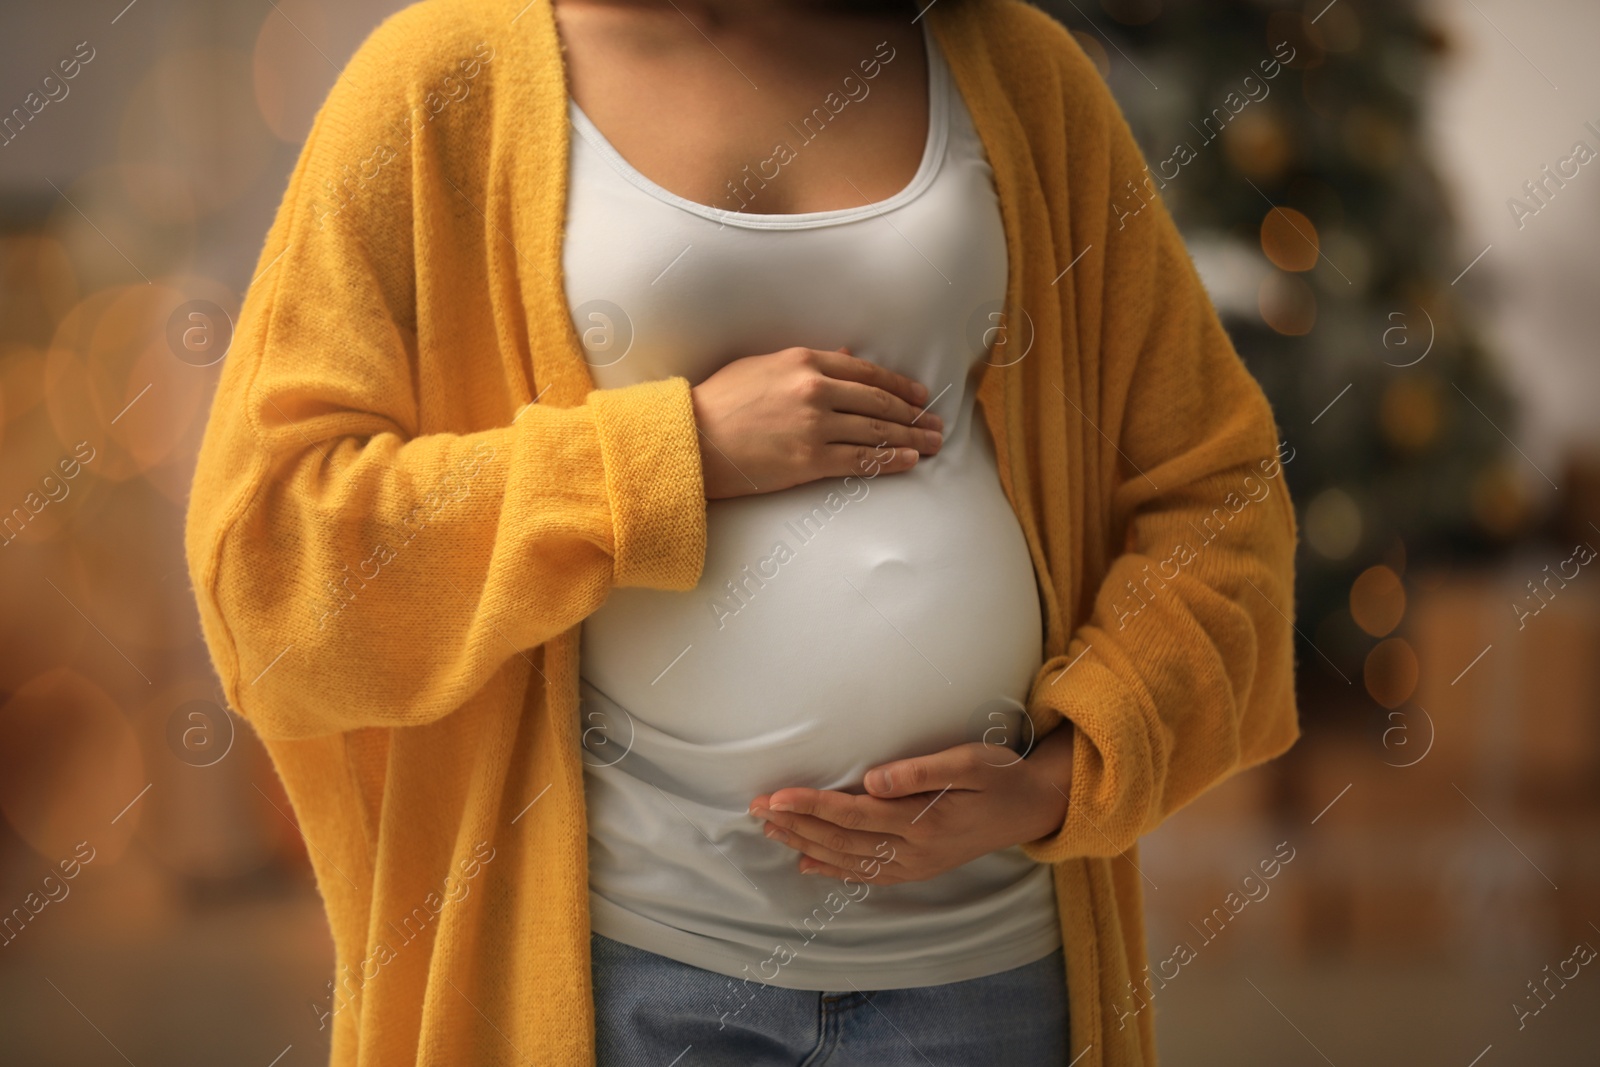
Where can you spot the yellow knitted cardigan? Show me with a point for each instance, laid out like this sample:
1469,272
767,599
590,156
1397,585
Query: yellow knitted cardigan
410,494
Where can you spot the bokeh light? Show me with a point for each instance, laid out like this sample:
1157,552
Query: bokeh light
1390,672
1095,51
1410,410
1336,29
1259,143
1287,304
43,629
1332,524
1499,502
21,378
291,73
37,286
1377,601
1289,239
69,765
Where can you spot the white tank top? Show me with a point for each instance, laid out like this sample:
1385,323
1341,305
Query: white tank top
838,624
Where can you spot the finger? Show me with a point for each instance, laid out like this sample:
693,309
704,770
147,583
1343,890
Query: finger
856,398
847,860
841,428
865,460
849,811
855,369
826,870
797,831
960,767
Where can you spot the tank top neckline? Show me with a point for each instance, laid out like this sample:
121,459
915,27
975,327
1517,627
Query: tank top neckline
933,153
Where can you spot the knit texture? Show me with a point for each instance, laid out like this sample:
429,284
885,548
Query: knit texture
410,495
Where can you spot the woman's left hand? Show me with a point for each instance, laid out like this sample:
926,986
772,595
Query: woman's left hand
926,815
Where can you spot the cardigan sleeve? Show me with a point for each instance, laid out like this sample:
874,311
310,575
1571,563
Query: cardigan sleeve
352,571
1183,671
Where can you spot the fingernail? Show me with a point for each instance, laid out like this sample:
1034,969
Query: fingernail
919,391
879,782
757,810
782,805
808,870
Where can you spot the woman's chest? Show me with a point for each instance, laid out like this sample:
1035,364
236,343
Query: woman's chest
652,297
693,106
659,286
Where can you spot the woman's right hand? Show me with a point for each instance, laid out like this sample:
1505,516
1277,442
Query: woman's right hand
779,420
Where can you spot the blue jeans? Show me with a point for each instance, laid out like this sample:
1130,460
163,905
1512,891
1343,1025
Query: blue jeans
651,1010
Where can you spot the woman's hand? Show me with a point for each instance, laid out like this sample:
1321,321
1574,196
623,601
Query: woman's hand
929,814
779,420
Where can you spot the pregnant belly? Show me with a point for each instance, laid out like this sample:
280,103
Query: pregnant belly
837,625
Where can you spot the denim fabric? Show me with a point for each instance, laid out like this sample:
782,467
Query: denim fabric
651,1011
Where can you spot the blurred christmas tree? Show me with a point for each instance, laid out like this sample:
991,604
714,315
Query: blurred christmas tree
1288,143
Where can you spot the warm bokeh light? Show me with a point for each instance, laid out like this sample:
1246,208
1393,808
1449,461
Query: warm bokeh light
37,286
1390,672
43,629
290,70
69,766
1410,411
1332,524
1289,239
1336,29
129,351
1499,502
1095,51
1378,601
82,404
21,378
1258,143
1287,304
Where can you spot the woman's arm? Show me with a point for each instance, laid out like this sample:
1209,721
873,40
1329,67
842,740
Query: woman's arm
351,570
1182,673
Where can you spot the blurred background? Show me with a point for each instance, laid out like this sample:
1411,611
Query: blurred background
1396,207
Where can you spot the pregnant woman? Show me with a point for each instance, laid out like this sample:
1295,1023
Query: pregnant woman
879,612
730,520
